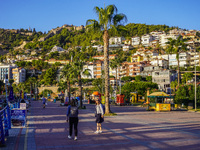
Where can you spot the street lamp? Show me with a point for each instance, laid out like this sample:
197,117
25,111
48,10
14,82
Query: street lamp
195,92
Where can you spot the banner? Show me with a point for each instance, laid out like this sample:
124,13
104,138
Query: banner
18,117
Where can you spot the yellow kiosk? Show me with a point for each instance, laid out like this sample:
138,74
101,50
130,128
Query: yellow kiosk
160,98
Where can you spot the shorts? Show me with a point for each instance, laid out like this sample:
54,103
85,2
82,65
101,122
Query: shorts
99,119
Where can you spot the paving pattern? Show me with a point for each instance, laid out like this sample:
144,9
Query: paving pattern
132,128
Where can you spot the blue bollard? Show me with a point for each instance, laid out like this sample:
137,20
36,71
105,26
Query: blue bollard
2,138
5,123
54,100
9,117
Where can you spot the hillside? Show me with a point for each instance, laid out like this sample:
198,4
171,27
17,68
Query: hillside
66,36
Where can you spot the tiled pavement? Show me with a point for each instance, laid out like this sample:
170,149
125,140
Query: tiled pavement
133,128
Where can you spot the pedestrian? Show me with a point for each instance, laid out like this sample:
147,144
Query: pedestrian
44,101
99,112
72,118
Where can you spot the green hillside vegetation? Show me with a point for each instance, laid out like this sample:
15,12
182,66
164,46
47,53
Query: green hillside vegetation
67,38
12,38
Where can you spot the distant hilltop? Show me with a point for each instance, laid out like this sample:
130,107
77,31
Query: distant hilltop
59,29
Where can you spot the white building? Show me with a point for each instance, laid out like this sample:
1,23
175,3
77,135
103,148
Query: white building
116,40
98,47
194,58
146,39
6,70
160,62
135,41
127,47
163,78
164,38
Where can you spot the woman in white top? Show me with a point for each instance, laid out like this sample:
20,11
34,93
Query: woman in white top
99,116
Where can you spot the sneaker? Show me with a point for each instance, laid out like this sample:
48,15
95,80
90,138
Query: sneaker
96,132
75,138
100,131
69,137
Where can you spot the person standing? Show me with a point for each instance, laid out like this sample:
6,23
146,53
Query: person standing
99,112
44,102
72,118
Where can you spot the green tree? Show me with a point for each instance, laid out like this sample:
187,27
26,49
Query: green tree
108,18
149,78
49,77
138,78
187,76
173,85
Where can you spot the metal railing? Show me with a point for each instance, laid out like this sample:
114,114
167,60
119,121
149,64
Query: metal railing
5,121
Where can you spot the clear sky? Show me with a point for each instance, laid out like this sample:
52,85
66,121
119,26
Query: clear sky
43,15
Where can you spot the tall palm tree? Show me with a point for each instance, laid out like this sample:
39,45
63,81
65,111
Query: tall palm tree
78,68
67,75
177,46
107,19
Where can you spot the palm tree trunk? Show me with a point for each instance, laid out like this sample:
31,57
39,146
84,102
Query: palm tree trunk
80,89
106,70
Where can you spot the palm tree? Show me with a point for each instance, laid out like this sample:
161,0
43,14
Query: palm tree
67,75
173,85
176,46
107,19
78,68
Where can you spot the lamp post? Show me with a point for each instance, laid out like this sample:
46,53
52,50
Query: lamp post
195,92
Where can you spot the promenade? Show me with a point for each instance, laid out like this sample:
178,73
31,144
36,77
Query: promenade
132,128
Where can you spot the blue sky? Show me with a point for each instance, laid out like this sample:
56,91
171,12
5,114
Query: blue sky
43,15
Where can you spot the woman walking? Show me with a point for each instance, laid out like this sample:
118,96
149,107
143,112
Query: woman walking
72,118
99,112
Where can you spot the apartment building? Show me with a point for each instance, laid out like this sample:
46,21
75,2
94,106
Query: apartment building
6,70
146,39
116,40
135,41
163,78
19,75
160,62
164,38
194,58
143,54
148,69
130,69
98,67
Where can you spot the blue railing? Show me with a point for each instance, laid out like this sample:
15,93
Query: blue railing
5,121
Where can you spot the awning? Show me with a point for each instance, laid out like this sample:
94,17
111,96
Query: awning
159,95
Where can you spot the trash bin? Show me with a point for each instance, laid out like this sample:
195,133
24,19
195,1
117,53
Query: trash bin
54,100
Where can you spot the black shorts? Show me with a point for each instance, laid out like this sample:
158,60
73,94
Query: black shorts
99,119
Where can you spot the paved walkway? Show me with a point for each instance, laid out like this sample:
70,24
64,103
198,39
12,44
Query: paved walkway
133,128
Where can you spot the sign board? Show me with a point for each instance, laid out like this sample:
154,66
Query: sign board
23,106
18,117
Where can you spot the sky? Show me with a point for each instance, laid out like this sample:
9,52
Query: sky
43,15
